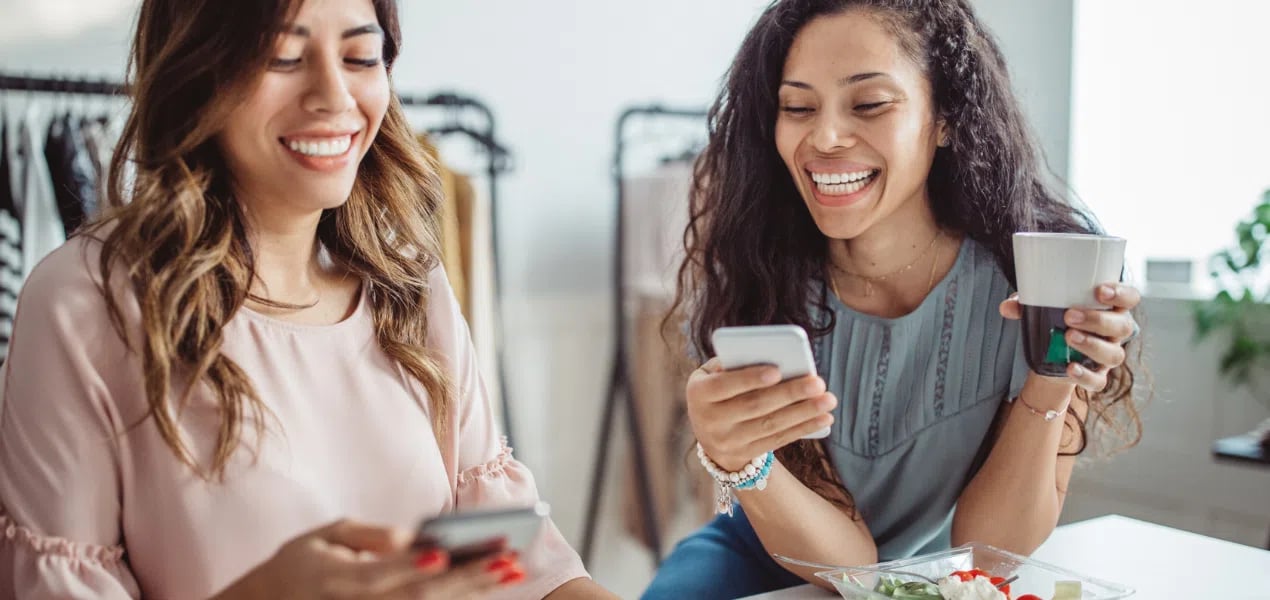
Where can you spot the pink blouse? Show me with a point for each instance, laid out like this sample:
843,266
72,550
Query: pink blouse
90,508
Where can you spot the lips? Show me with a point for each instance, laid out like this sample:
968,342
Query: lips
839,183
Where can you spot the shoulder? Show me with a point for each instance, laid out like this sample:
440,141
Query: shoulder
65,291
67,278
447,329
982,264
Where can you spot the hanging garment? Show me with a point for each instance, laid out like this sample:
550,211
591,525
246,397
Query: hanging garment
100,147
658,371
475,217
467,253
451,240
74,178
42,230
654,215
10,243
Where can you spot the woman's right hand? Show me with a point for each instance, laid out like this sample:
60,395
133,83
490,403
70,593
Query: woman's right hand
741,414
353,560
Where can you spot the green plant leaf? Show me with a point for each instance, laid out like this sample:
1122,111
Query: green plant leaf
1237,307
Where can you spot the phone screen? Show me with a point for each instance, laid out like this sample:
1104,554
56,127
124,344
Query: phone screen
472,535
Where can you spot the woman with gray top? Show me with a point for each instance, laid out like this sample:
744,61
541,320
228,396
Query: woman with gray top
866,169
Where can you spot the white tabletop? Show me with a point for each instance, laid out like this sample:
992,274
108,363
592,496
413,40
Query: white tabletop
1161,563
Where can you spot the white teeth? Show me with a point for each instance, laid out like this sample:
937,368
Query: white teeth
842,184
840,178
331,147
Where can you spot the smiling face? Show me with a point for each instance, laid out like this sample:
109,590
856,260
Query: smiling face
296,141
855,127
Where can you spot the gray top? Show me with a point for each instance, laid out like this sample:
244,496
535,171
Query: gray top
917,396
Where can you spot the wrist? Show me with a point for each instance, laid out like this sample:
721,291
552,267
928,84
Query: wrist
1048,393
724,460
247,587
753,475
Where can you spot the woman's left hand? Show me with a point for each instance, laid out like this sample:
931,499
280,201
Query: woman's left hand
1098,334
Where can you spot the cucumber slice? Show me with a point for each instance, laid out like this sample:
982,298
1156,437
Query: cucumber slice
1067,590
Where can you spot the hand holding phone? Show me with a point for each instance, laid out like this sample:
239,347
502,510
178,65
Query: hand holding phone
468,536
784,346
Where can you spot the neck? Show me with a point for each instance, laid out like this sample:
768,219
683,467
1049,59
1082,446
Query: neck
888,245
285,251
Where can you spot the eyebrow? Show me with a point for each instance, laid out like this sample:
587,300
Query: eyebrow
368,29
857,78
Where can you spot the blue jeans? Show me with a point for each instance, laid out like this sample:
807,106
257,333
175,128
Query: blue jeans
723,560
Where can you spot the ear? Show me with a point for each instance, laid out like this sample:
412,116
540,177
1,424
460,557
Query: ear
941,133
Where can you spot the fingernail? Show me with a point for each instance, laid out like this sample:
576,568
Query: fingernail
1077,370
771,376
1107,292
1075,317
513,576
500,564
430,559
825,403
1078,337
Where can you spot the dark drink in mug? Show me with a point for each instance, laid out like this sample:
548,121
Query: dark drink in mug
1057,272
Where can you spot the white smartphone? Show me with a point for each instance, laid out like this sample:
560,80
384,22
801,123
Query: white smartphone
472,535
783,346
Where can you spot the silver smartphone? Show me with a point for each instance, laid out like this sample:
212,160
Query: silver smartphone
472,535
784,346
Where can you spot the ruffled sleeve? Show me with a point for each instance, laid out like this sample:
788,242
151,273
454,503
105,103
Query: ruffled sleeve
485,473
505,482
60,534
35,566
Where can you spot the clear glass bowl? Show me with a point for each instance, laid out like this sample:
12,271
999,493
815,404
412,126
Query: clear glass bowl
1035,577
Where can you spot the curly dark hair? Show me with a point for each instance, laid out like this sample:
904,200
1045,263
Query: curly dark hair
988,183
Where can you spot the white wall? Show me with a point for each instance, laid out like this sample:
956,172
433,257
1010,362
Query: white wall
1036,38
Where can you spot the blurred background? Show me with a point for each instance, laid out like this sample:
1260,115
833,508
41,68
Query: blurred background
1153,112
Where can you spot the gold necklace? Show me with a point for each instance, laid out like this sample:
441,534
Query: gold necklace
870,280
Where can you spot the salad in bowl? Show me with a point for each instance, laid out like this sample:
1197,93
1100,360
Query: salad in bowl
970,572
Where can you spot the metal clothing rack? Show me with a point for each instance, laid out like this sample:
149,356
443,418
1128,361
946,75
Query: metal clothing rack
498,161
619,388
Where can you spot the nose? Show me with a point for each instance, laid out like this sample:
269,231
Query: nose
328,91
832,132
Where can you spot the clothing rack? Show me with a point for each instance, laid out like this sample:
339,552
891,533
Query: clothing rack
498,161
619,388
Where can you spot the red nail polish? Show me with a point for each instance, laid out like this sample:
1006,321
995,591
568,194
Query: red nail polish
512,576
430,559
500,564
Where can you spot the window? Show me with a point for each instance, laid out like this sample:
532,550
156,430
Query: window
1171,122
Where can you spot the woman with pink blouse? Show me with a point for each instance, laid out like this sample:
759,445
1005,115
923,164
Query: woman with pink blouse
252,380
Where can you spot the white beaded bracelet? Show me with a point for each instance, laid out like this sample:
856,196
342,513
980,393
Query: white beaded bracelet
753,476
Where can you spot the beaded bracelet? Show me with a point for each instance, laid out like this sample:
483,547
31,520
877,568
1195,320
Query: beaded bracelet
753,476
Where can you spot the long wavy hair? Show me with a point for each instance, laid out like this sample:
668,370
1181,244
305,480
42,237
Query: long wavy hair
988,183
179,238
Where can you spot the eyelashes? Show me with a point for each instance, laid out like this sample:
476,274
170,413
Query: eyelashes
290,64
805,110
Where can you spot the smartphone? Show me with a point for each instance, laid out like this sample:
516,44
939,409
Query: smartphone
784,346
472,535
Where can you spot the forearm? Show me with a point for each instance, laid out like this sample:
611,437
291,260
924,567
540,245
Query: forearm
1015,499
582,587
793,520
